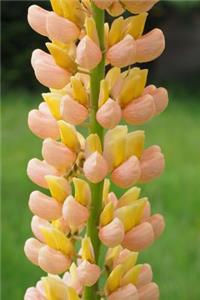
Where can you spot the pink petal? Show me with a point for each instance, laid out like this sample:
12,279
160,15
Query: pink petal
149,292
57,154
53,261
61,29
139,238
44,206
42,125
47,72
112,234
158,223
123,53
109,114
150,46
127,173
37,17
95,167
74,213
140,110
88,273
88,54
80,112
127,292
152,164
31,249
37,170
36,224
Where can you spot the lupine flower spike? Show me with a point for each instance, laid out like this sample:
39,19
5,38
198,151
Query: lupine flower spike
77,216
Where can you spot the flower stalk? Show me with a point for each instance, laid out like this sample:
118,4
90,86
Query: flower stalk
91,293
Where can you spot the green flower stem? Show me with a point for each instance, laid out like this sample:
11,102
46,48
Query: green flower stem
91,293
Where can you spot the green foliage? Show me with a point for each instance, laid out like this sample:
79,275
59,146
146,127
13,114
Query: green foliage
175,257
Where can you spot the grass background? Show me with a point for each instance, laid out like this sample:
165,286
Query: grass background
175,258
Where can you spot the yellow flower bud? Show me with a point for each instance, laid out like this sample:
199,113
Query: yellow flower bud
53,101
59,187
135,143
69,136
93,144
135,25
129,197
78,91
132,275
104,92
91,29
54,288
55,239
82,191
72,294
87,251
114,279
116,32
62,57
131,214
107,214
106,189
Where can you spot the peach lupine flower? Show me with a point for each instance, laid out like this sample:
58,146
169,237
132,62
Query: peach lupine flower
116,7
125,44
55,219
128,221
123,94
51,287
125,224
123,156
128,279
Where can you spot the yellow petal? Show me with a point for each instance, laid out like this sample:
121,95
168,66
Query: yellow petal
116,33
132,275
53,101
55,239
69,136
114,279
56,6
87,251
107,214
131,214
106,32
82,191
91,30
104,92
62,57
58,186
111,254
135,25
78,91
139,88
135,143
72,294
130,261
112,76
116,145
73,272
129,197
54,288
73,10
133,85
106,189
93,144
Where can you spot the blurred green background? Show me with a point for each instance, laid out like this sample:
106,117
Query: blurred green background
175,258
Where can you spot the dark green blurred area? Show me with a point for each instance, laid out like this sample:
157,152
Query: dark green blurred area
175,258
